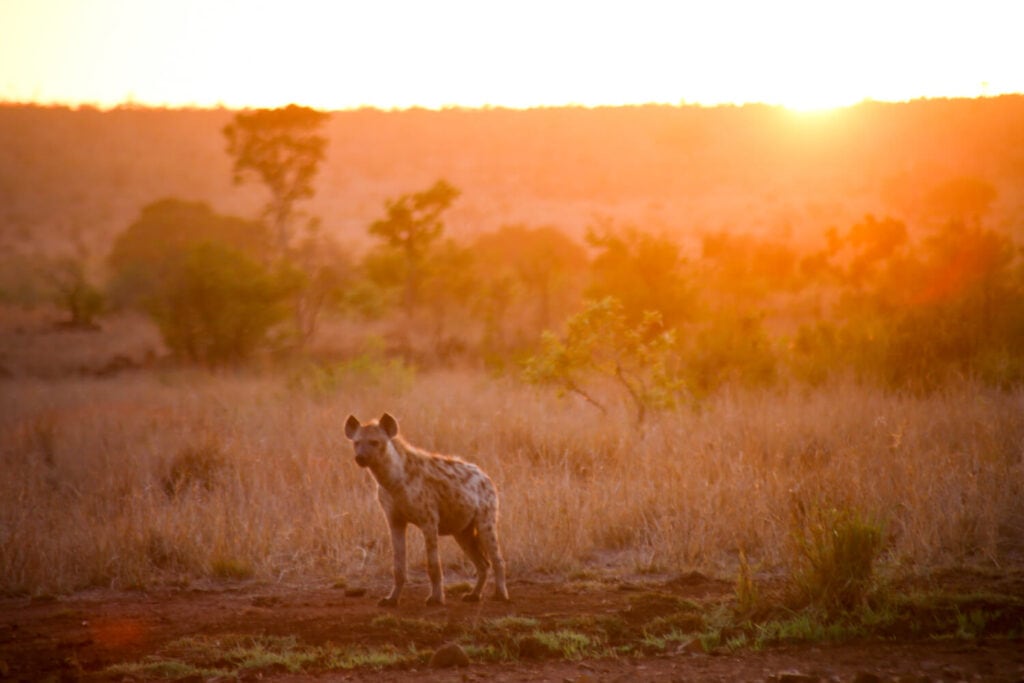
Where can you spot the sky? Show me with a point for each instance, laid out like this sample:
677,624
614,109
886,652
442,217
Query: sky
506,53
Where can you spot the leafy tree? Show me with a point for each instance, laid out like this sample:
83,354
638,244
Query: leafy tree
448,286
75,293
219,304
963,308
730,349
541,263
746,267
601,342
964,199
409,232
150,251
914,315
282,148
202,278
645,272
874,241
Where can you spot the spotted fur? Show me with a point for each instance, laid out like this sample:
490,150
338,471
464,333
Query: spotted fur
442,495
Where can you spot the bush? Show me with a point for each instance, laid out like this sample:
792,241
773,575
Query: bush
201,277
219,305
150,251
601,342
731,350
834,555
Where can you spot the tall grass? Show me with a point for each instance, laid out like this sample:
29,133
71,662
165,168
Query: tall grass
170,477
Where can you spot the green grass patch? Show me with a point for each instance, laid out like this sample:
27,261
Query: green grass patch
408,628
158,667
653,623
235,655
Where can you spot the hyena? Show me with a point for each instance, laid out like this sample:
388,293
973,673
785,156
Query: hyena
442,495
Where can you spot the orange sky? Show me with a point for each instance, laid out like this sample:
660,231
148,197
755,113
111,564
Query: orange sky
435,53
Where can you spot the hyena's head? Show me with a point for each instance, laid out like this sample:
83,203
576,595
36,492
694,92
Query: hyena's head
370,440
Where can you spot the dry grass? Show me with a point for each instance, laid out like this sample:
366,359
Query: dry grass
169,477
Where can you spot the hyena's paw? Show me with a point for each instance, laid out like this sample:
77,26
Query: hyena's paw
387,602
502,596
435,600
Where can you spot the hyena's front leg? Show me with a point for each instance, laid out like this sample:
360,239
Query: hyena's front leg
433,565
398,553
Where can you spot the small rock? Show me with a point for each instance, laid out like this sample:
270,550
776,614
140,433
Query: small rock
448,656
355,592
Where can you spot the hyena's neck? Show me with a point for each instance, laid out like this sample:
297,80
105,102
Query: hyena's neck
391,473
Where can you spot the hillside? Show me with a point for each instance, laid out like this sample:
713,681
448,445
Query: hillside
680,170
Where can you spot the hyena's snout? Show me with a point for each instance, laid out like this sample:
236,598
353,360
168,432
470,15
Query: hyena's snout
363,456
365,453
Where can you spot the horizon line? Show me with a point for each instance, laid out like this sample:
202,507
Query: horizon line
129,105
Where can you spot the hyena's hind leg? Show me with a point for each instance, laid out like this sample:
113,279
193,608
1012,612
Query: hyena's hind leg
492,551
469,541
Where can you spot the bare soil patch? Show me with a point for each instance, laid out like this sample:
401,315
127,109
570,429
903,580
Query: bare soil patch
83,635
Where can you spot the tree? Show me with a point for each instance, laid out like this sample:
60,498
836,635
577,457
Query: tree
152,247
282,149
542,263
202,279
410,230
600,342
965,199
75,293
326,271
644,271
219,304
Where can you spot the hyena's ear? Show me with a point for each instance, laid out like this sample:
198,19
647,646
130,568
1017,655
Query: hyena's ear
351,425
389,425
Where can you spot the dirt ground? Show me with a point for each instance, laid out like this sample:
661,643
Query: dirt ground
79,636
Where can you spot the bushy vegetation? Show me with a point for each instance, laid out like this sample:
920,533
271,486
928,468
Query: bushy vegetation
202,279
834,553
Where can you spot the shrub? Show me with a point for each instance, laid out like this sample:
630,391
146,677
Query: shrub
834,555
731,350
600,341
219,305
201,277
150,251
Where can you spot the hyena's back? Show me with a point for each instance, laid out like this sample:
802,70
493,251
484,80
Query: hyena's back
463,496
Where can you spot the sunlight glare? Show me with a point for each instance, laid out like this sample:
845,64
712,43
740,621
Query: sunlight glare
806,56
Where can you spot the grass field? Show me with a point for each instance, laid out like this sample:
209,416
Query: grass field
161,477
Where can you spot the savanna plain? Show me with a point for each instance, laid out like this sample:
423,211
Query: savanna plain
764,424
